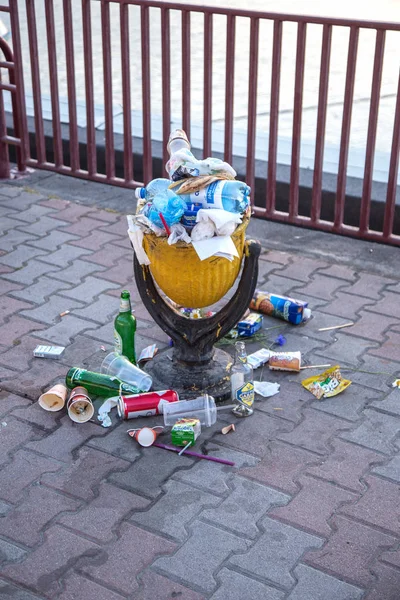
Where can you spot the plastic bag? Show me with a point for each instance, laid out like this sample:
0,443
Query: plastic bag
178,234
203,231
184,164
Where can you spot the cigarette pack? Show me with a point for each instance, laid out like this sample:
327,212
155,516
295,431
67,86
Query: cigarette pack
48,351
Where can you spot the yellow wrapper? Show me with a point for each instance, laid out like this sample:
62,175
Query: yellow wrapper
327,384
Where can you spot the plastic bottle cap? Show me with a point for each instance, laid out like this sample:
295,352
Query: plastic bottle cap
306,314
138,193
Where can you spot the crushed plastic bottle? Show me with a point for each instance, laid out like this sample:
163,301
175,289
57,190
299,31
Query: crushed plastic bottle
169,204
152,189
232,196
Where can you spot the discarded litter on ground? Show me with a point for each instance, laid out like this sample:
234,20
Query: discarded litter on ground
146,436
55,352
266,388
335,327
228,428
285,361
327,384
282,307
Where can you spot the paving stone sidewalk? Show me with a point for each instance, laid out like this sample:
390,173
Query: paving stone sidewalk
311,510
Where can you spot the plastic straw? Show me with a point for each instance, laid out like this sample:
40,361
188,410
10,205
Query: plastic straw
195,454
164,222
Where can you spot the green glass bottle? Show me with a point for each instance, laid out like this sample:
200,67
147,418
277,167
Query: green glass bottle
98,384
125,328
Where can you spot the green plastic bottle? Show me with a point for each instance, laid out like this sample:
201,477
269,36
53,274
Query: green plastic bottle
98,384
125,329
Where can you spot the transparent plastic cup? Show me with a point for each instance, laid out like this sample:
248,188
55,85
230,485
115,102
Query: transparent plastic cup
119,366
202,408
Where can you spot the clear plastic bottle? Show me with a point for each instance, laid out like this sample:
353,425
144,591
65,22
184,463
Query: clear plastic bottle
169,204
152,189
233,196
242,383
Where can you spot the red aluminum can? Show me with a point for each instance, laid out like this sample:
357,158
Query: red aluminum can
144,405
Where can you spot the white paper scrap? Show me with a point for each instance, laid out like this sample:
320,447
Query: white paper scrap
218,216
104,411
136,237
266,388
220,245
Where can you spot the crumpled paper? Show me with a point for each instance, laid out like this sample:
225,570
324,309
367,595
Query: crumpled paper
104,411
396,383
225,222
266,388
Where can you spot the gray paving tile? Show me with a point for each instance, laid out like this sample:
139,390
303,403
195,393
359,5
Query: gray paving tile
390,404
42,289
63,333
147,475
320,586
78,271
171,514
13,238
348,405
42,227
10,553
90,288
195,563
101,311
244,507
33,213
50,311
213,477
276,552
33,270
65,256
10,591
239,587
20,256
377,431
53,241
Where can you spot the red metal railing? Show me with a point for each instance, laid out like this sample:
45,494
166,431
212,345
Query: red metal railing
5,139
265,207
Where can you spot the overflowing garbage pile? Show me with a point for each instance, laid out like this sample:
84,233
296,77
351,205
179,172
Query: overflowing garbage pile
200,204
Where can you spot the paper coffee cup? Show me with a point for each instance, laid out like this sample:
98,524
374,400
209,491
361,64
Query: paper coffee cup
79,406
54,398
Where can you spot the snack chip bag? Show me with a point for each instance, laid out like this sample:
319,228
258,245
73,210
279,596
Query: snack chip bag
327,384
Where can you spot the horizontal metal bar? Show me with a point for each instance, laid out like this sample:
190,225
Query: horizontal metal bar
4,9
9,87
6,64
348,230
81,174
217,10
9,139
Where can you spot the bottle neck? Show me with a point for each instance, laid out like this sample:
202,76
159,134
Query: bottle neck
241,354
125,305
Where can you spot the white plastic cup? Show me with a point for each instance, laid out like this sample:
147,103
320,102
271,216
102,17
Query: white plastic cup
119,366
202,408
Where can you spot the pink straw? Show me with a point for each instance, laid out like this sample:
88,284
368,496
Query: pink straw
195,454
167,229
